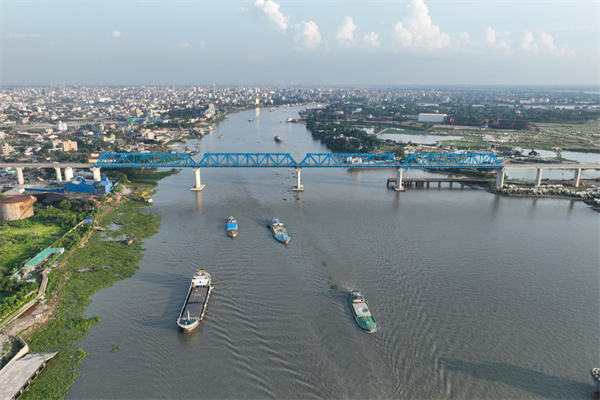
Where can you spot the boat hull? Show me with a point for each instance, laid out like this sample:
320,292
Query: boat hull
233,233
194,306
366,323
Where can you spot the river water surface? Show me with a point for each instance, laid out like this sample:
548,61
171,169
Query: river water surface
476,295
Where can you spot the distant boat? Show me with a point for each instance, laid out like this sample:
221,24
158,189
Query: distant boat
288,119
250,119
221,137
362,314
232,227
279,231
596,376
272,109
277,139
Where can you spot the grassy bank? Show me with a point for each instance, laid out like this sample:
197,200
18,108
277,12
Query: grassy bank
111,262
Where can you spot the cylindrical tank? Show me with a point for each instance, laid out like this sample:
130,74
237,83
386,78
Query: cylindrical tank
16,207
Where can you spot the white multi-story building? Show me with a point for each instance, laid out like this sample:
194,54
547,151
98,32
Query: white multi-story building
432,118
61,126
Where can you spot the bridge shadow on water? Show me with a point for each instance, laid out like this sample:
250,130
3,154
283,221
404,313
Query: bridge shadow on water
535,382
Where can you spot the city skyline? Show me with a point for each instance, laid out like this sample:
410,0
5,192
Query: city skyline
287,43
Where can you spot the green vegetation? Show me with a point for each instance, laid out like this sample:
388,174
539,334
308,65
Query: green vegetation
115,348
341,136
334,287
138,178
21,240
114,261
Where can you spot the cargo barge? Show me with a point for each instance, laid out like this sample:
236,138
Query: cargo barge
195,303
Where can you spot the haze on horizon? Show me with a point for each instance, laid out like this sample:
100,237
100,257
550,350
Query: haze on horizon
416,42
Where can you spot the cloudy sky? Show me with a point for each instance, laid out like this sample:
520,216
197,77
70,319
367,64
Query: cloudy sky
338,42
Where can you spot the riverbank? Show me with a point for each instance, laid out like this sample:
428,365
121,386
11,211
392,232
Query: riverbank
109,262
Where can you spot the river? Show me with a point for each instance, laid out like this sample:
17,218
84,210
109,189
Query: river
476,295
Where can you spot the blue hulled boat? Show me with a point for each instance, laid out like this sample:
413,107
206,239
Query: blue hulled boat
232,227
279,231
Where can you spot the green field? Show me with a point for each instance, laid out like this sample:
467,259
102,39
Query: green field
19,244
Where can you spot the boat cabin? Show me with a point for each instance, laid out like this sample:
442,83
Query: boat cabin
357,297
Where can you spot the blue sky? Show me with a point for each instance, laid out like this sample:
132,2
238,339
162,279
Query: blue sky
411,42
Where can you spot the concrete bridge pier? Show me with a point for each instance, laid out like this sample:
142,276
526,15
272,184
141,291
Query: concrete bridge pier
538,177
20,178
399,186
198,186
577,177
97,175
68,174
500,179
299,187
58,174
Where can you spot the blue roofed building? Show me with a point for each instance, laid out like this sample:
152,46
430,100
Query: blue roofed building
81,185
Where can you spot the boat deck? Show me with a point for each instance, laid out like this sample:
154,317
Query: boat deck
195,302
361,309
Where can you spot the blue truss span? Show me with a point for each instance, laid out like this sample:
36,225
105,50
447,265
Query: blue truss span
436,161
285,160
233,160
145,160
349,160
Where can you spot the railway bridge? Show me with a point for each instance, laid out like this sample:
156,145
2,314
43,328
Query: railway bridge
428,161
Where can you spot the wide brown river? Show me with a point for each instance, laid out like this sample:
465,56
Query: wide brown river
476,295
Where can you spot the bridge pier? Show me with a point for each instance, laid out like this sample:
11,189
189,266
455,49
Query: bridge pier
198,186
538,177
97,175
68,174
577,177
299,187
58,174
399,186
20,178
500,179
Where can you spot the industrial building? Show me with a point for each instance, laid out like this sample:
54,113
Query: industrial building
16,207
428,118
81,185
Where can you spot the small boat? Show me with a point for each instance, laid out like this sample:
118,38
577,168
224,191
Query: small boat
288,119
221,137
195,303
232,227
277,139
596,377
250,119
279,231
362,314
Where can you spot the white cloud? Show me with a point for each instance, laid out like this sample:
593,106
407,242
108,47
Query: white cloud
116,34
464,39
202,44
184,44
543,43
23,36
271,11
371,39
417,29
490,35
499,46
345,32
308,35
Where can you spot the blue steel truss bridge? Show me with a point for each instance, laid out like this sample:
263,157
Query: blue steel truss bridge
311,160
